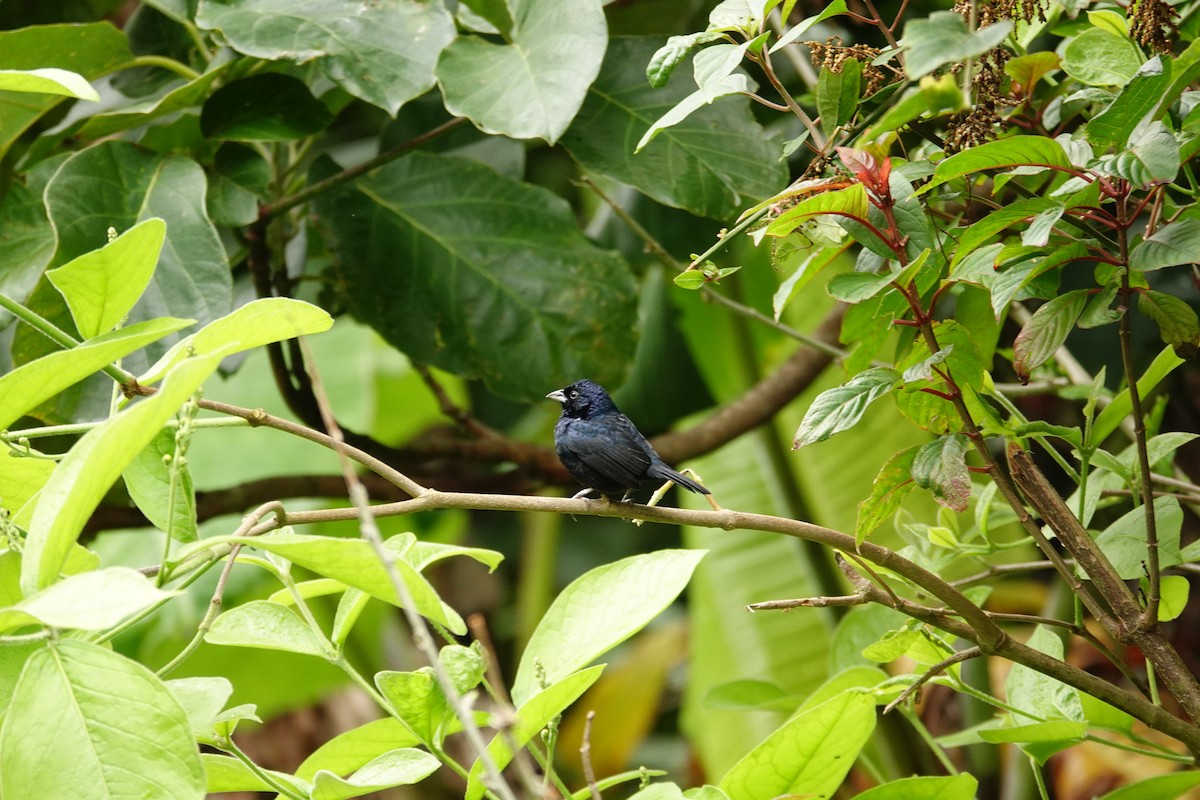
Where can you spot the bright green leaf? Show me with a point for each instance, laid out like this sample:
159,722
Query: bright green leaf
1171,245
89,601
931,787
48,81
850,202
266,625
1124,541
943,38
1046,331
838,409
1112,126
1099,57
395,768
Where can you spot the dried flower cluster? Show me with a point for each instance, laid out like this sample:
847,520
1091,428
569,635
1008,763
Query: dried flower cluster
833,53
1152,24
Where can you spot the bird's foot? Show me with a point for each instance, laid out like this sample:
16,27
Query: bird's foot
582,495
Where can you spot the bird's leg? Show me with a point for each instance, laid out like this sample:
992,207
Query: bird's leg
582,495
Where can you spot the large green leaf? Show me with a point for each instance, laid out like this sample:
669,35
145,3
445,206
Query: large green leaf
480,275
118,185
1124,542
92,466
1046,331
710,164
89,601
86,722
943,38
263,108
90,50
47,81
27,244
1176,320
380,52
1100,57
838,409
1169,246
1139,97
1016,151
600,610
532,85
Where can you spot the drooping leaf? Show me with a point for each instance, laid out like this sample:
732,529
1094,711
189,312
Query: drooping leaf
1046,331
716,73
383,53
87,722
838,94
1177,322
494,271
838,409
531,85
941,467
267,107
711,164
1169,246
665,59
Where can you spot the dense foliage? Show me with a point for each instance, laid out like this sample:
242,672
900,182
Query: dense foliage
284,285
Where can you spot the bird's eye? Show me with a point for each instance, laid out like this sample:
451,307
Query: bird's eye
573,394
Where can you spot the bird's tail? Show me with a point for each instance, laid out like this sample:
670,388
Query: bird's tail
662,472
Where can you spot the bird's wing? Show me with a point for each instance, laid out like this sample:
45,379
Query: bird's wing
612,446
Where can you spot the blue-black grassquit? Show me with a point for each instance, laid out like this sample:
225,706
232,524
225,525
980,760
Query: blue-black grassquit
603,449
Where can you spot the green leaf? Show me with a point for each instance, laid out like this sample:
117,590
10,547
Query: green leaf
665,59
715,71
395,768
837,95
1044,697
202,699
1160,787
995,222
1099,57
90,601
348,751
1121,406
228,774
48,81
941,467
102,285
1151,155
91,467
532,716
354,563
1063,731
259,322
418,701
850,202
532,85
383,53
1124,541
28,242
1174,590
1170,246
1046,331
1015,151
91,50
888,491
801,757
833,9
27,386
598,611
266,625
957,787
1030,68
181,98
943,38
854,287
87,722
119,185
712,164
932,97
148,479
1009,281
268,107
1177,322
838,409
1112,126
496,270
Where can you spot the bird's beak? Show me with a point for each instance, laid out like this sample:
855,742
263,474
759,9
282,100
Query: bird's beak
558,395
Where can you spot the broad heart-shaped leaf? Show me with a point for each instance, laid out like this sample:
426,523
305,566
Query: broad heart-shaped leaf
531,86
810,754
598,611
1016,151
944,38
354,563
48,81
480,275
708,164
941,467
91,467
87,722
837,409
267,625
267,107
89,601
1169,246
115,184
932,787
380,52
90,50
102,285
532,715
25,387
1124,542
1177,322
1046,331
395,768
1139,97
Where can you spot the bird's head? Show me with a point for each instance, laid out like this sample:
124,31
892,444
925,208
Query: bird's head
583,399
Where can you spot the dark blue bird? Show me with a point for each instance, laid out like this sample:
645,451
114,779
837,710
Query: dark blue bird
603,449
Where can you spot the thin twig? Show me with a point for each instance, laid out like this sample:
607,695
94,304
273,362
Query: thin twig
808,602
932,672
585,756
451,409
